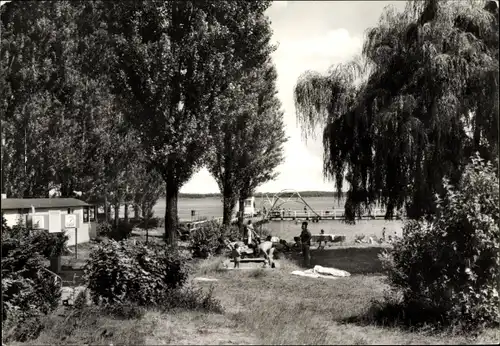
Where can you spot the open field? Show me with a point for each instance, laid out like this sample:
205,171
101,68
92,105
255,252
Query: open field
266,307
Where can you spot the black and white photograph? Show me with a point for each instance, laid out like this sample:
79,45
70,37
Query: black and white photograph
261,172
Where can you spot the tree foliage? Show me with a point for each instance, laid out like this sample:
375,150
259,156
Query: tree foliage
248,146
451,264
51,107
412,109
63,127
172,61
99,93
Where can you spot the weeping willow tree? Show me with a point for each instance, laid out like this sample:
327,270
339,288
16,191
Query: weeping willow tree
411,109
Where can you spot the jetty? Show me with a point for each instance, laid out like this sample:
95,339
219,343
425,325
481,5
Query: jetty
334,214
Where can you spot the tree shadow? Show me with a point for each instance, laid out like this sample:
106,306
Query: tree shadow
411,317
355,260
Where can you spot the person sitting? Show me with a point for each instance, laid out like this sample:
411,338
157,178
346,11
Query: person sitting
284,246
297,243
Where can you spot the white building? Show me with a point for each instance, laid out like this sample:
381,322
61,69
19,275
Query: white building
250,209
52,214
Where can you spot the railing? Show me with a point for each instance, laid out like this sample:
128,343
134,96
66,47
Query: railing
198,224
334,214
323,214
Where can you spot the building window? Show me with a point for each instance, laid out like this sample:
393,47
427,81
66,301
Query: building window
85,214
69,210
92,213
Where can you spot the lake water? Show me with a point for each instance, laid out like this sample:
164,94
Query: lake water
212,207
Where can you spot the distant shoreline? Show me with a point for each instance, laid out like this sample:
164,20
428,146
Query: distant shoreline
261,194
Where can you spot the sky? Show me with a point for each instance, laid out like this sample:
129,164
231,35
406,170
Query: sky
312,35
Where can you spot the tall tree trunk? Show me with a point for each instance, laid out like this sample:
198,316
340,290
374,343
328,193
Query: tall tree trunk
477,137
106,209
125,213
117,213
171,220
228,204
241,214
136,211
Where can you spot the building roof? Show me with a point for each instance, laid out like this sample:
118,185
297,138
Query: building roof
24,203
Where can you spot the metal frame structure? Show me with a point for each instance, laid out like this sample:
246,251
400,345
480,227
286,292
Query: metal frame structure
274,203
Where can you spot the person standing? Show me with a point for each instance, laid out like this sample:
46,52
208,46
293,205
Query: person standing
249,233
305,239
252,240
267,249
321,240
236,254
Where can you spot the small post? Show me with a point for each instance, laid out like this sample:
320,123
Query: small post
76,242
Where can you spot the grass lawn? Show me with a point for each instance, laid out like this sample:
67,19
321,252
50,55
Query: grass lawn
264,307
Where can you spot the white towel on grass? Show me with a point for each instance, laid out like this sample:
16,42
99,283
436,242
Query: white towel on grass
204,279
330,271
310,274
322,272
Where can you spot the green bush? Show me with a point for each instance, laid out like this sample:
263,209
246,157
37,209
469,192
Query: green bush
119,272
28,289
209,239
120,232
450,266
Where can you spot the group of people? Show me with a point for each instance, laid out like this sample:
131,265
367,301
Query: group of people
267,248
253,241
